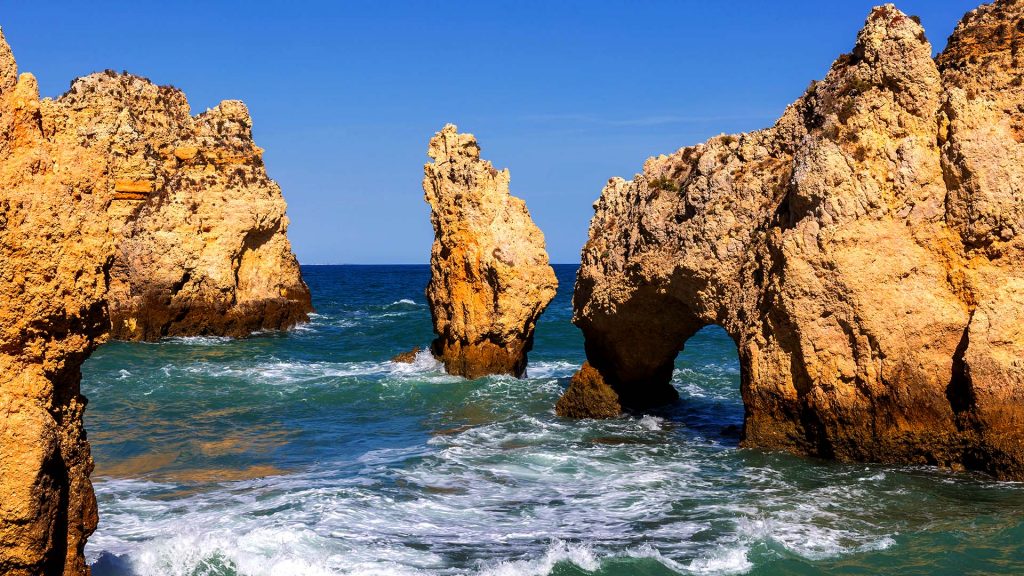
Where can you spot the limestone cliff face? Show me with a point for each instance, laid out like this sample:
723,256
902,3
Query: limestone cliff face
55,255
864,254
489,273
202,243
114,192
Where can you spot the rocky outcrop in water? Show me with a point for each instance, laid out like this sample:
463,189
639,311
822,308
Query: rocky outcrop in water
489,273
865,255
202,243
113,192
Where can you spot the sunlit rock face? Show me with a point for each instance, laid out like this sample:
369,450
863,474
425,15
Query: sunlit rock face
114,202
56,251
864,254
489,273
202,243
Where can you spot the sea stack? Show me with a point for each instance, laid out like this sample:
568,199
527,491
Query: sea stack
489,273
202,245
865,254
114,201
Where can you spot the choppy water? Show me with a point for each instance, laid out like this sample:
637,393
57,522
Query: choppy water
310,453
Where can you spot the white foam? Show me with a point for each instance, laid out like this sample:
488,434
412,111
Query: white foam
423,363
649,422
579,555
551,369
723,560
198,340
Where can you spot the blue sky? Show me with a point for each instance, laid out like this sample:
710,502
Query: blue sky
345,95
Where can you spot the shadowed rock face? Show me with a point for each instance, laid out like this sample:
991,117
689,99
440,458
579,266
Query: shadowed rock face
489,273
864,253
113,192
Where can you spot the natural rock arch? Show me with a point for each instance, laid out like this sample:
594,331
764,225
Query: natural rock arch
864,254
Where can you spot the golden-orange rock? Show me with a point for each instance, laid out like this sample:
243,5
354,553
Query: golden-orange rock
864,253
489,273
96,221
54,255
588,396
202,243
138,186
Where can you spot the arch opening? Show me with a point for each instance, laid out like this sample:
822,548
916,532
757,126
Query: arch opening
707,376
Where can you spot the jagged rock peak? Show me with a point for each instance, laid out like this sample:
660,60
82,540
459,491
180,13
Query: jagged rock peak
490,278
8,66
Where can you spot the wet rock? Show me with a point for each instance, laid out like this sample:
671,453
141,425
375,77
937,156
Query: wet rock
489,273
863,254
406,357
588,396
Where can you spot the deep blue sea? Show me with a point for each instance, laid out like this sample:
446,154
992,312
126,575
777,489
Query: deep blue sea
310,453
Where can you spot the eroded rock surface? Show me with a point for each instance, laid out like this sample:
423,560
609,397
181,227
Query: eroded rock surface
202,243
489,273
55,254
864,253
114,192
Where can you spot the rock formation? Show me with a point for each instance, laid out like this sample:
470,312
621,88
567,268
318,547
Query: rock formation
55,254
407,357
865,254
202,243
489,273
114,192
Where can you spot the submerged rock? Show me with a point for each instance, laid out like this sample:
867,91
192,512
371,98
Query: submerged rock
489,273
406,357
114,194
864,254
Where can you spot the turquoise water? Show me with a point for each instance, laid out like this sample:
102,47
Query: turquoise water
308,452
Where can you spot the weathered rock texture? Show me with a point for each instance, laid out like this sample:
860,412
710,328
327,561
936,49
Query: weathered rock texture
55,255
203,246
865,254
114,191
489,273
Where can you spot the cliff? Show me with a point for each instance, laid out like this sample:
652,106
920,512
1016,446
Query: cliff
864,253
202,245
489,273
56,254
114,202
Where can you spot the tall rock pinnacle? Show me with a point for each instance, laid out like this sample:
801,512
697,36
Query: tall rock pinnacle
489,273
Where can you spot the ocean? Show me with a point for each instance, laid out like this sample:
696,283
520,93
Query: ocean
310,453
